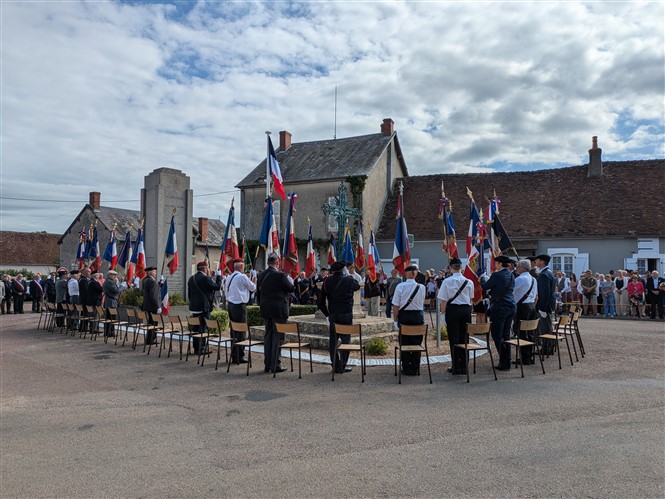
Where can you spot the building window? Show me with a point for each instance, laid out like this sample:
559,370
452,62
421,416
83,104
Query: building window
563,263
641,265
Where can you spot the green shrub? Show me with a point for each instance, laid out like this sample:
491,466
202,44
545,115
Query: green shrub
222,318
302,310
176,299
444,333
132,297
24,272
376,346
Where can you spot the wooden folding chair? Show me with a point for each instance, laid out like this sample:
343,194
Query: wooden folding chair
45,312
142,323
215,334
406,330
482,329
174,327
353,330
248,342
131,322
91,315
292,328
557,336
574,325
158,328
527,328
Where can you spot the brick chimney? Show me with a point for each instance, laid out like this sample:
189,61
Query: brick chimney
387,127
284,140
95,200
595,163
203,229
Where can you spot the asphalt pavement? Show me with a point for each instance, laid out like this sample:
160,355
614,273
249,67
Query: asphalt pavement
86,419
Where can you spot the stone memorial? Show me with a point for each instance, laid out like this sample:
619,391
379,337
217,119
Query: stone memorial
166,190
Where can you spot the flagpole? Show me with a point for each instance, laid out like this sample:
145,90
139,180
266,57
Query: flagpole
267,183
164,259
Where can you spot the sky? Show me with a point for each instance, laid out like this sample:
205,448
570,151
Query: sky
96,95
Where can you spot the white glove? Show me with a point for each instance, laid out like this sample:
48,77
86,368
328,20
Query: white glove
442,319
218,272
395,325
542,313
328,320
161,278
159,310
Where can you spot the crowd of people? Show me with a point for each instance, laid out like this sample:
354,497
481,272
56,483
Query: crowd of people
518,290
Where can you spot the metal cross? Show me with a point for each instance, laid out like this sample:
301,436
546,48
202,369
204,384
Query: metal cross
341,212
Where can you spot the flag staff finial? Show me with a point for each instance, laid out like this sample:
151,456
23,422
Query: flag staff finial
174,210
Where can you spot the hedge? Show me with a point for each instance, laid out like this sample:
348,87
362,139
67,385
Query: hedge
254,315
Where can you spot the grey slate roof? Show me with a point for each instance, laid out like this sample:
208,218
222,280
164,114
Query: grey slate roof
324,160
124,218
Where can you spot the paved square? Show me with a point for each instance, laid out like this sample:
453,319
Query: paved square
81,418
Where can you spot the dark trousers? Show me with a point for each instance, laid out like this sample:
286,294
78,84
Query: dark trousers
199,343
109,329
271,343
59,321
73,314
457,317
389,307
237,313
655,302
411,360
18,303
525,312
36,301
502,320
339,363
6,304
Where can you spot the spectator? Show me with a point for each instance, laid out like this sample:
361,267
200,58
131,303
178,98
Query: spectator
636,294
607,288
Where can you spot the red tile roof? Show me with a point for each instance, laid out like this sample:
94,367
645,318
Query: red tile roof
627,200
30,248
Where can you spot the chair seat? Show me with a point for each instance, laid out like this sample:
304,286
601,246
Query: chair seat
522,343
248,343
346,346
294,345
471,346
411,348
552,336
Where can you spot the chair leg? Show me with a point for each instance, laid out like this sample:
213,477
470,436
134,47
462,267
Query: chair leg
362,364
466,364
565,337
311,366
334,359
249,357
491,359
429,370
518,358
558,353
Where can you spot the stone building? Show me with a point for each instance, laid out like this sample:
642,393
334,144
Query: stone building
368,165
33,251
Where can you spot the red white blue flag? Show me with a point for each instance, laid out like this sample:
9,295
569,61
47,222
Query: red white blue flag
230,249
360,249
80,250
401,251
475,249
164,294
332,250
310,261
111,251
125,257
372,257
290,263
172,248
95,256
275,172
138,256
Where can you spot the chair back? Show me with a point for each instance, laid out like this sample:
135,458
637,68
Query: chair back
576,316
90,309
531,325
100,311
347,328
564,321
289,327
482,328
113,313
141,317
212,324
193,324
131,314
406,330
156,318
240,327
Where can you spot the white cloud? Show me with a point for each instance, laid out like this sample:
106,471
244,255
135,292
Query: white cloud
97,94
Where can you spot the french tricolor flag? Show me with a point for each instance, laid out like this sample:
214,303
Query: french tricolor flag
275,171
230,250
310,261
138,257
360,249
111,252
172,248
332,250
401,251
164,294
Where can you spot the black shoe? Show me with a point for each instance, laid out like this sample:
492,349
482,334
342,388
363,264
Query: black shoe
407,373
348,369
450,370
241,361
280,369
502,368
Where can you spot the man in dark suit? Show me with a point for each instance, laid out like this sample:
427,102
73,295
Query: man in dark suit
302,289
151,300
653,294
338,290
546,303
18,286
501,285
36,292
200,293
273,293
84,282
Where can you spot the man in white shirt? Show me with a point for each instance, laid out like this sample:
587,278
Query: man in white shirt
456,295
526,291
73,290
238,288
408,309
